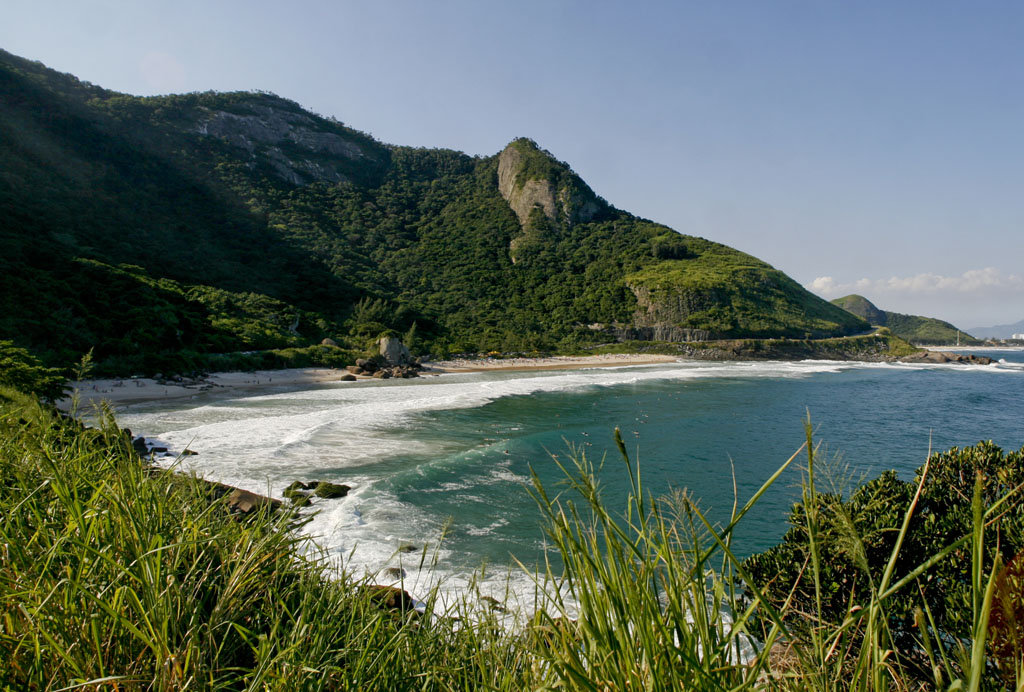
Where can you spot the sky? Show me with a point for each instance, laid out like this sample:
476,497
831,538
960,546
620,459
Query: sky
871,146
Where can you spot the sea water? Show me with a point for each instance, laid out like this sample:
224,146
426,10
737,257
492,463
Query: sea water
440,466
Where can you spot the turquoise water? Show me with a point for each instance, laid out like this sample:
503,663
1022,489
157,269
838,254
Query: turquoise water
458,450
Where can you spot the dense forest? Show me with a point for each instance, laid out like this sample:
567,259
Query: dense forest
161,231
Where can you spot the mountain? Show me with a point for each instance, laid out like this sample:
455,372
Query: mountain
159,229
913,328
1000,331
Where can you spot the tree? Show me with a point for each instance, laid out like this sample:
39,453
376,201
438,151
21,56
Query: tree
20,370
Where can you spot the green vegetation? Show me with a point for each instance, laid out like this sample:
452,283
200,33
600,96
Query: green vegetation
927,330
732,294
114,575
20,370
859,537
156,231
913,328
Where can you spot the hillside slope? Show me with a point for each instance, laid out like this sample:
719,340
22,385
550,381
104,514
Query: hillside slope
913,328
151,227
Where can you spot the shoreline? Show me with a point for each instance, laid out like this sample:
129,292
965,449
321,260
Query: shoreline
125,391
605,360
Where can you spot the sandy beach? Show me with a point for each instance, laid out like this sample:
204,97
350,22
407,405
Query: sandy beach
125,391
551,363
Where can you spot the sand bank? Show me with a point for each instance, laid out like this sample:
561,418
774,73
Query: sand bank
551,363
124,391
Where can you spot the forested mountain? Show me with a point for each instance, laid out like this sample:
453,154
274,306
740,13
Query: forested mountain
914,328
156,229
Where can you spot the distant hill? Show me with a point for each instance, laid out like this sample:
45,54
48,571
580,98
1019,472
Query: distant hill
913,328
157,229
1000,331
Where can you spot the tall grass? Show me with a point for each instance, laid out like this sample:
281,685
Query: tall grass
113,576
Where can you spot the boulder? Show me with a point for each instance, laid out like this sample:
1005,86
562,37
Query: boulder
244,502
407,548
394,573
389,597
330,490
329,342
394,351
157,450
188,453
298,485
494,604
382,375
354,369
299,498
347,378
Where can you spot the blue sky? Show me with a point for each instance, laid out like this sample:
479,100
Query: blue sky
860,146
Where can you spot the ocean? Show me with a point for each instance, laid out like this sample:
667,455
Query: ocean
440,466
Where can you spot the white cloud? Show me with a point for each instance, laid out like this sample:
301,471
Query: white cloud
975,281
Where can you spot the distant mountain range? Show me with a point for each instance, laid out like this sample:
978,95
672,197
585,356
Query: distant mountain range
1000,331
914,328
155,229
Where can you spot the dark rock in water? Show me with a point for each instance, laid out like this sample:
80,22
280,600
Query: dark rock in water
942,357
330,490
139,445
389,597
495,605
298,485
407,548
347,378
158,450
244,502
188,453
394,572
299,498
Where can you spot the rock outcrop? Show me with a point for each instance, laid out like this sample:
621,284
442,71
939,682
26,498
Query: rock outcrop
530,178
394,352
293,144
943,357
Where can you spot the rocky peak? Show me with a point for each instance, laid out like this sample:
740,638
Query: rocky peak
529,178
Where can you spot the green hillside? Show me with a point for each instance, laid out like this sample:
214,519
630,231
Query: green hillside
913,328
156,230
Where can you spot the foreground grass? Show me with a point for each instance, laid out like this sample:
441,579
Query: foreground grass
112,577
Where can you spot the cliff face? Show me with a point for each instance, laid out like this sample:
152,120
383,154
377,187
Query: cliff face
530,178
295,146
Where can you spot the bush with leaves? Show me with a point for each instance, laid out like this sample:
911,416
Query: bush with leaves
856,536
20,370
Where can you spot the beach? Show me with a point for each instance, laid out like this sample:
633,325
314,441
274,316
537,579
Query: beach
125,391
132,390
549,363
